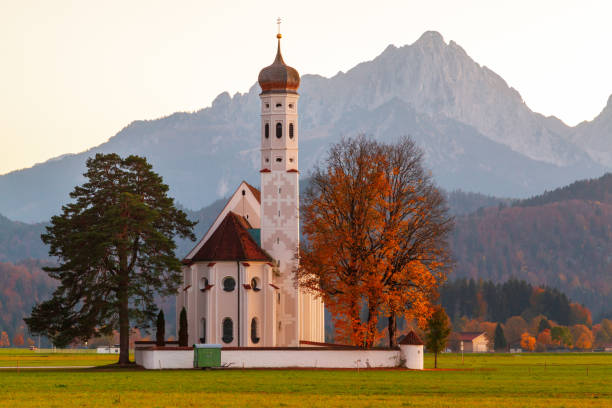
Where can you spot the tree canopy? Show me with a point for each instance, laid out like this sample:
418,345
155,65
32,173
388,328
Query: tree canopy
375,228
114,243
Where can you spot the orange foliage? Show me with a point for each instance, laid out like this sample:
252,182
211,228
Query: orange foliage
18,339
528,342
545,338
4,340
373,224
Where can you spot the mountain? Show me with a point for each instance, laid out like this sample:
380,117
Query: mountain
476,131
561,239
19,241
596,136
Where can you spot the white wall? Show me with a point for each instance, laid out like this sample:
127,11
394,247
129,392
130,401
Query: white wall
280,358
412,356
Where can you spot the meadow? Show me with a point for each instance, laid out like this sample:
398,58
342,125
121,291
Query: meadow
483,380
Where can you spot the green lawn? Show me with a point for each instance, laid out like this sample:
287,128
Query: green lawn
486,380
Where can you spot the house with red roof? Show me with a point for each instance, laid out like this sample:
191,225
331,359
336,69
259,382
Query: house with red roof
473,342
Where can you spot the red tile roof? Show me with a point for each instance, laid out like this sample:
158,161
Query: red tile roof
469,336
231,241
411,339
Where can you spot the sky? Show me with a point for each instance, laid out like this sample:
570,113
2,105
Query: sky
74,73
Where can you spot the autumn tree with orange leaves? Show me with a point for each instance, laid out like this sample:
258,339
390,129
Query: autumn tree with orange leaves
375,228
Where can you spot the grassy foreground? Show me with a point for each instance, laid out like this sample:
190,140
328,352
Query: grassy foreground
528,380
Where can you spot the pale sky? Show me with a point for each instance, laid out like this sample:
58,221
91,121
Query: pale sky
74,73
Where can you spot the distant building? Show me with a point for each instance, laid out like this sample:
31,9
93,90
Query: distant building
473,342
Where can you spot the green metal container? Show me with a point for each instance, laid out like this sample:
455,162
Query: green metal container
206,355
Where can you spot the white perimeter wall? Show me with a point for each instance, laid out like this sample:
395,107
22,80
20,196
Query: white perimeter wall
279,358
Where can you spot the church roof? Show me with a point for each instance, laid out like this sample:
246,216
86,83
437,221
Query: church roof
231,241
411,339
279,77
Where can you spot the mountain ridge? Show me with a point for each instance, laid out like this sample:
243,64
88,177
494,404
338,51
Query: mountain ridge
476,131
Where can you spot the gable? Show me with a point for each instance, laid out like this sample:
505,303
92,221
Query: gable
231,241
245,202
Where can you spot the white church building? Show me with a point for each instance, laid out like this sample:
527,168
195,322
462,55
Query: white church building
239,288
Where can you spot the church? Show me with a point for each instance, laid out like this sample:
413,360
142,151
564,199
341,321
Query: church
238,286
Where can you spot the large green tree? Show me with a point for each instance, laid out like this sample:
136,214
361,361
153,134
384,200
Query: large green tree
115,249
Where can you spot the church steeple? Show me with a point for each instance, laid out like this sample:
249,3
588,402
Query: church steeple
279,77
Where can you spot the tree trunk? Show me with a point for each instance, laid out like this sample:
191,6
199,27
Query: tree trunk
124,321
436,359
392,329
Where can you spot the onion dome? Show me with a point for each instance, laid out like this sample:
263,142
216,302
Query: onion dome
279,77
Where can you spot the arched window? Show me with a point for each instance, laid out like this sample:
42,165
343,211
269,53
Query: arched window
291,131
228,330
255,285
279,130
254,335
267,130
203,330
229,284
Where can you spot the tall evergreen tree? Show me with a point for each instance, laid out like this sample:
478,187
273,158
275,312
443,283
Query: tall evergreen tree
160,333
183,336
437,333
115,249
499,343
543,325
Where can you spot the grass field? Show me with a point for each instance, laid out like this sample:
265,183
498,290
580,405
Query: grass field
485,380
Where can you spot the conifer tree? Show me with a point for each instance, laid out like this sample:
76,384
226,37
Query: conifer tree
115,249
499,342
160,333
438,330
183,337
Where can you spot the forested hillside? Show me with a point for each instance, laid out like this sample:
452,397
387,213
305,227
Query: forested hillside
561,239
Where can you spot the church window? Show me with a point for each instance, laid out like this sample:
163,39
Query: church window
243,192
267,105
254,336
203,283
290,106
255,285
228,330
267,160
278,105
279,130
291,131
267,130
203,331
291,160
278,298
277,240
229,284
279,190
278,159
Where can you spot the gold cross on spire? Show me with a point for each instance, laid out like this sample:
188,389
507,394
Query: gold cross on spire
278,21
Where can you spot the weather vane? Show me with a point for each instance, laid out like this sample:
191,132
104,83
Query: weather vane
278,21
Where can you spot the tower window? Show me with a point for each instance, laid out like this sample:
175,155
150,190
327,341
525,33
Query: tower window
229,284
291,160
290,106
267,130
255,285
291,131
203,338
267,160
228,330
278,105
278,159
267,105
254,336
279,130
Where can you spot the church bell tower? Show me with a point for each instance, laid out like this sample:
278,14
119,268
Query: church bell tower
299,315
